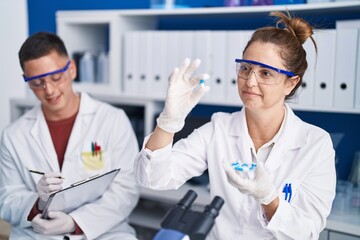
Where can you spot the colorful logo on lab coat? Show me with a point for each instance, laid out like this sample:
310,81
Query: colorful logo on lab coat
94,159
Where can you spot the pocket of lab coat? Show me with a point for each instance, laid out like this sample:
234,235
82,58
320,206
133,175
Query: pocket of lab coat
93,162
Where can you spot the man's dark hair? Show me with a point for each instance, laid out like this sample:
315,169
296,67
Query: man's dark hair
41,44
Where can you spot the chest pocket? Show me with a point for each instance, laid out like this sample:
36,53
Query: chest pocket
93,157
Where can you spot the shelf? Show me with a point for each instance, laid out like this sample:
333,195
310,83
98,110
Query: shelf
173,196
342,6
105,30
346,223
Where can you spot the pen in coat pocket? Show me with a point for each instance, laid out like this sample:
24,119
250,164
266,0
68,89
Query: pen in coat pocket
41,173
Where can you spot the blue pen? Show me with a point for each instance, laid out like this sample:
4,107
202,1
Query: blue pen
285,190
288,191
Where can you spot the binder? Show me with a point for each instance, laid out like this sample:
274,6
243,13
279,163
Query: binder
325,67
353,24
345,64
357,78
160,73
144,63
131,51
218,61
172,51
306,91
348,24
79,193
236,42
186,45
203,52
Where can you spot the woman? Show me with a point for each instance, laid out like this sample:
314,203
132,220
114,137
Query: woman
290,193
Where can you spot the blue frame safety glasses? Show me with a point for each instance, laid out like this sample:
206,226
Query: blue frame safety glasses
38,82
266,74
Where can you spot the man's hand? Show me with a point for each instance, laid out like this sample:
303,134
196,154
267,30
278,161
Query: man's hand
184,92
49,183
59,223
261,187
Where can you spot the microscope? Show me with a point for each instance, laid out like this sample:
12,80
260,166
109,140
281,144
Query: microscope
182,223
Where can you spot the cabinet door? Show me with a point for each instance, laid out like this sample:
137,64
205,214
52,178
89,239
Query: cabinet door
324,235
342,236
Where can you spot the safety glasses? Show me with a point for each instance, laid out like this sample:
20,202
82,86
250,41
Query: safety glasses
39,82
264,74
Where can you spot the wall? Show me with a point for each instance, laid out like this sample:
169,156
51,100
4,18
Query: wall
42,18
14,29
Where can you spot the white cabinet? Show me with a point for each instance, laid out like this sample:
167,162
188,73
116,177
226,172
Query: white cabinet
104,30
332,235
341,236
324,235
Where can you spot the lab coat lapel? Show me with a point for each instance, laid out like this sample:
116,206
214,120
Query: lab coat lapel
238,128
244,147
41,136
80,128
291,137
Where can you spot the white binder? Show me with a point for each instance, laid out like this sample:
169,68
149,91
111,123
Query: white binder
305,92
131,51
203,52
325,67
186,46
236,42
158,80
79,193
218,62
144,63
357,77
345,64
348,24
172,50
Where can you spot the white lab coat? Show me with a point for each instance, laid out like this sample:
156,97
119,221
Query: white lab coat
303,155
26,144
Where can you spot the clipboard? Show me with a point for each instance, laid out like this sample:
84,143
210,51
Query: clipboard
79,193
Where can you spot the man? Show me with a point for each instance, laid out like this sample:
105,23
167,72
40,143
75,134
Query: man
58,138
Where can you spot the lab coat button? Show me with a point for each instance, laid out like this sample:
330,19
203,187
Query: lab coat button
148,156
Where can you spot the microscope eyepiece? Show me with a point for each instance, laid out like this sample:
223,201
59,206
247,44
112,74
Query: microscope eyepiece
214,207
188,199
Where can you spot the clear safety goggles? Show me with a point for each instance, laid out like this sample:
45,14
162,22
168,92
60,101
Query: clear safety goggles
264,74
39,82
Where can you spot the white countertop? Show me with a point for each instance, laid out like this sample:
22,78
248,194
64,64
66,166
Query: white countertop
346,223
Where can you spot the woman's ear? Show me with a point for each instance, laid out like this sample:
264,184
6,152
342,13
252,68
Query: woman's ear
291,83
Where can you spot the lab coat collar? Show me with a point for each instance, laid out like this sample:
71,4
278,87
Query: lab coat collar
87,105
41,134
42,138
87,110
292,136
